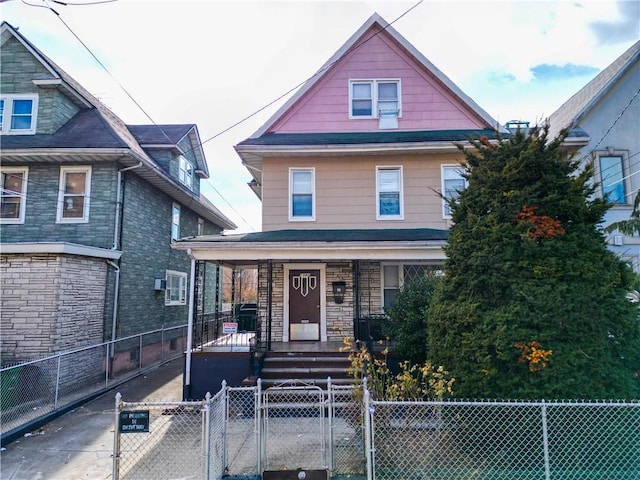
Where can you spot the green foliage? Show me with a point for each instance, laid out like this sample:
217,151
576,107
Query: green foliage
413,383
527,265
407,324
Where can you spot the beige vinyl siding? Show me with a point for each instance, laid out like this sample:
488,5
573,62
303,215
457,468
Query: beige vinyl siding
345,189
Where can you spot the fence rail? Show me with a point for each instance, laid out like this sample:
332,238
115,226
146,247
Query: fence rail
32,391
247,430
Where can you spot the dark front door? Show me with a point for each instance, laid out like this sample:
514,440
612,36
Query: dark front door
304,305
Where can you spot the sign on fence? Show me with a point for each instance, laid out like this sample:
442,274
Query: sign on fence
134,421
229,327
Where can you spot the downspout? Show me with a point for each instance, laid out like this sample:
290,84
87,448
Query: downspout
186,390
116,230
114,320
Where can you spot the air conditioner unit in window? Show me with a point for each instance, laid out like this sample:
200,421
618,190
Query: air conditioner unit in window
160,284
387,119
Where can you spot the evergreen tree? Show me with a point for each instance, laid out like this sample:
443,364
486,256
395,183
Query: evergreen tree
533,303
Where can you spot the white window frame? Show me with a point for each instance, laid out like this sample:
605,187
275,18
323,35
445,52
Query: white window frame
86,169
399,169
200,230
300,218
622,155
181,279
22,195
400,280
185,172
446,209
7,115
375,111
175,221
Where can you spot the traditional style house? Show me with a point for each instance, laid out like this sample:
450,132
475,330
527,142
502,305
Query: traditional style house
605,117
89,210
354,173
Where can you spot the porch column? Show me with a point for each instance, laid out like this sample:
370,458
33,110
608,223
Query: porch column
269,301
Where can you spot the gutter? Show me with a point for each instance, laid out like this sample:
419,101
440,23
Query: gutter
116,229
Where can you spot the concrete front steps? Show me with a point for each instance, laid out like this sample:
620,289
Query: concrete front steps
308,367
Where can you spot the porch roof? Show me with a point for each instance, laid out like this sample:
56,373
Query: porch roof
355,244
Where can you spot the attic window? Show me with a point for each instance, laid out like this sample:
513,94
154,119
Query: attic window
185,172
374,98
18,114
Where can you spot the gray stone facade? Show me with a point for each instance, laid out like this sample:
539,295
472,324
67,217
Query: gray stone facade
339,317
50,303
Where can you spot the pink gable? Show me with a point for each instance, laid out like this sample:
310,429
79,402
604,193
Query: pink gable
426,103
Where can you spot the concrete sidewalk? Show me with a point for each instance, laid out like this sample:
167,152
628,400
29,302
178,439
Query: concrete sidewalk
79,444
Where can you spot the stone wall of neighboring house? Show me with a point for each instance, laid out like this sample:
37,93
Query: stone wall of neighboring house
50,303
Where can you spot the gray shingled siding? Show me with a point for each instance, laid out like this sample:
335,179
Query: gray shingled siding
162,158
147,256
18,70
41,205
50,303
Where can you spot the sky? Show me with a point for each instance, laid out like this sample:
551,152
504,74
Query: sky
214,63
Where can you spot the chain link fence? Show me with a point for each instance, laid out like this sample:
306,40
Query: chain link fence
242,432
505,440
32,390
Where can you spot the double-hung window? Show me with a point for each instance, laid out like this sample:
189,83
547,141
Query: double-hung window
612,178
302,194
18,114
389,201
176,289
73,194
453,182
13,196
175,222
185,172
374,98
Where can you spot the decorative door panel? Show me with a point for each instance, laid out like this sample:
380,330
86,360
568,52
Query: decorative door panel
304,305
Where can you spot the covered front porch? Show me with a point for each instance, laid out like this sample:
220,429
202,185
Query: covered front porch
314,288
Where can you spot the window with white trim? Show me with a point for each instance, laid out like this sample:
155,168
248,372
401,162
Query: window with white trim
389,201
185,172
175,222
18,114
176,289
73,194
200,226
302,203
395,275
13,197
373,98
453,182
612,178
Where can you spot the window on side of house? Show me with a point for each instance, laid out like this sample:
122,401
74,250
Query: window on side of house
302,194
13,197
453,182
185,172
372,98
200,226
18,114
176,288
612,178
389,201
175,222
73,194
395,275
